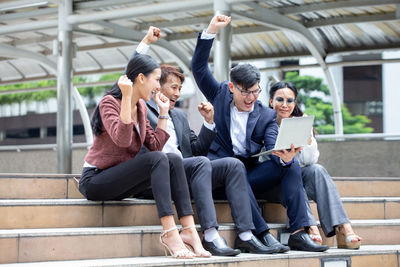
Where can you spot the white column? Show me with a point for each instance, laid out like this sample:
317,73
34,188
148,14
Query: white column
222,44
391,93
64,85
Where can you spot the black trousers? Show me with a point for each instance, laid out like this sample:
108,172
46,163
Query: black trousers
163,172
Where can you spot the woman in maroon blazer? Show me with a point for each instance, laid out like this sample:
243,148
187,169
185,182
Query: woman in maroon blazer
112,168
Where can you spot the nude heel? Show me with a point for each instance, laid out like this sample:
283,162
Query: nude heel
201,254
346,241
183,253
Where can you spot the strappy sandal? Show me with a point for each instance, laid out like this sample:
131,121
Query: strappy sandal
201,254
183,253
347,242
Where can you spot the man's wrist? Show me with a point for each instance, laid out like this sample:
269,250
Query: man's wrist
207,36
210,126
286,163
143,47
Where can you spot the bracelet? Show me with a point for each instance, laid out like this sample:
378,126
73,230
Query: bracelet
163,117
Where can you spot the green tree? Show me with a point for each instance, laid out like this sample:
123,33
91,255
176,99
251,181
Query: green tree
322,110
90,91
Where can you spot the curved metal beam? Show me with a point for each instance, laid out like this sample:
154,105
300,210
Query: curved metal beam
124,33
142,11
267,17
51,66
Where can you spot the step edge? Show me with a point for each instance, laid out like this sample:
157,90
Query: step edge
168,261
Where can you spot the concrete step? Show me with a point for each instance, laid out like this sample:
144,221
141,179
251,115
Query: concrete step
357,208
33,245
368,186
24,185
383,256
48,213
21,186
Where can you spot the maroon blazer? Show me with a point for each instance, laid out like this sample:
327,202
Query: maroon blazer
120,141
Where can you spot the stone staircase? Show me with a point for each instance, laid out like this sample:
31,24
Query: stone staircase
45,221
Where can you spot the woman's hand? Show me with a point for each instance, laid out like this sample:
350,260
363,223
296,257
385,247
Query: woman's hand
287,155
126,85
152,35
218,22
162,102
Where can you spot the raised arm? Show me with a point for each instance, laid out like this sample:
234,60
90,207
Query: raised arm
201,71
153,35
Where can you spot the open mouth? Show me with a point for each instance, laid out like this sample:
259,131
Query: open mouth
172,101
248,104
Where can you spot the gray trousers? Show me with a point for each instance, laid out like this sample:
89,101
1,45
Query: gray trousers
320,187
205,176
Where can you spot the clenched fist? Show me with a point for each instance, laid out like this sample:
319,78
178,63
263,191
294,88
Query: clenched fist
152,35
126,85
218,22
206,110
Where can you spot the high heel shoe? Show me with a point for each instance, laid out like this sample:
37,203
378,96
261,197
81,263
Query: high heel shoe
200,254
347,241
183,253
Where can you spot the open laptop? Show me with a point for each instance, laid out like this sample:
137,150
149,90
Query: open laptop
296,131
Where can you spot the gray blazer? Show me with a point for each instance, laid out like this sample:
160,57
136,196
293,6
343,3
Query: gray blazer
189,143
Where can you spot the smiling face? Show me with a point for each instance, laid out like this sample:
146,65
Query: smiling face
244,99
151,83
172,89
283,103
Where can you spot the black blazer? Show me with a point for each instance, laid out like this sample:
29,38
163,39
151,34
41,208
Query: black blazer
189,143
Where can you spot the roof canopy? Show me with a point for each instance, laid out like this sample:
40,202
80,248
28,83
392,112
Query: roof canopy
104,31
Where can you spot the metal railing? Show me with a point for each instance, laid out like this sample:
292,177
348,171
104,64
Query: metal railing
20,148
368,136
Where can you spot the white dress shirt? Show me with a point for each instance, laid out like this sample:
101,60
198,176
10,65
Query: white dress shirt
171,146
238,129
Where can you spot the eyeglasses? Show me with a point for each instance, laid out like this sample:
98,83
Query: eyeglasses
281,100
247,92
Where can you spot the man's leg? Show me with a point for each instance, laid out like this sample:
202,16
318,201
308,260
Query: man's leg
268,174
229,173
198,173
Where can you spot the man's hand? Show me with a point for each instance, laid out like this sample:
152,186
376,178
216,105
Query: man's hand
125,85
218,22
287,155
206,110
152,35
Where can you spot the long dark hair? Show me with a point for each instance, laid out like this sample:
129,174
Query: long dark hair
279,85
139,64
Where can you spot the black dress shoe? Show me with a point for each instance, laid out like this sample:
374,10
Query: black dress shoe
218,247
270,241
302,241
253,246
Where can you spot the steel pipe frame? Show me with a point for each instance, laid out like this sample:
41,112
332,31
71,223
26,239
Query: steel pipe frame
148,10
7,50
270,18
64,88
222,43
124,33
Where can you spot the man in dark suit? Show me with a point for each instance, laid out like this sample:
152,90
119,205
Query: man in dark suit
244,127
204,175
